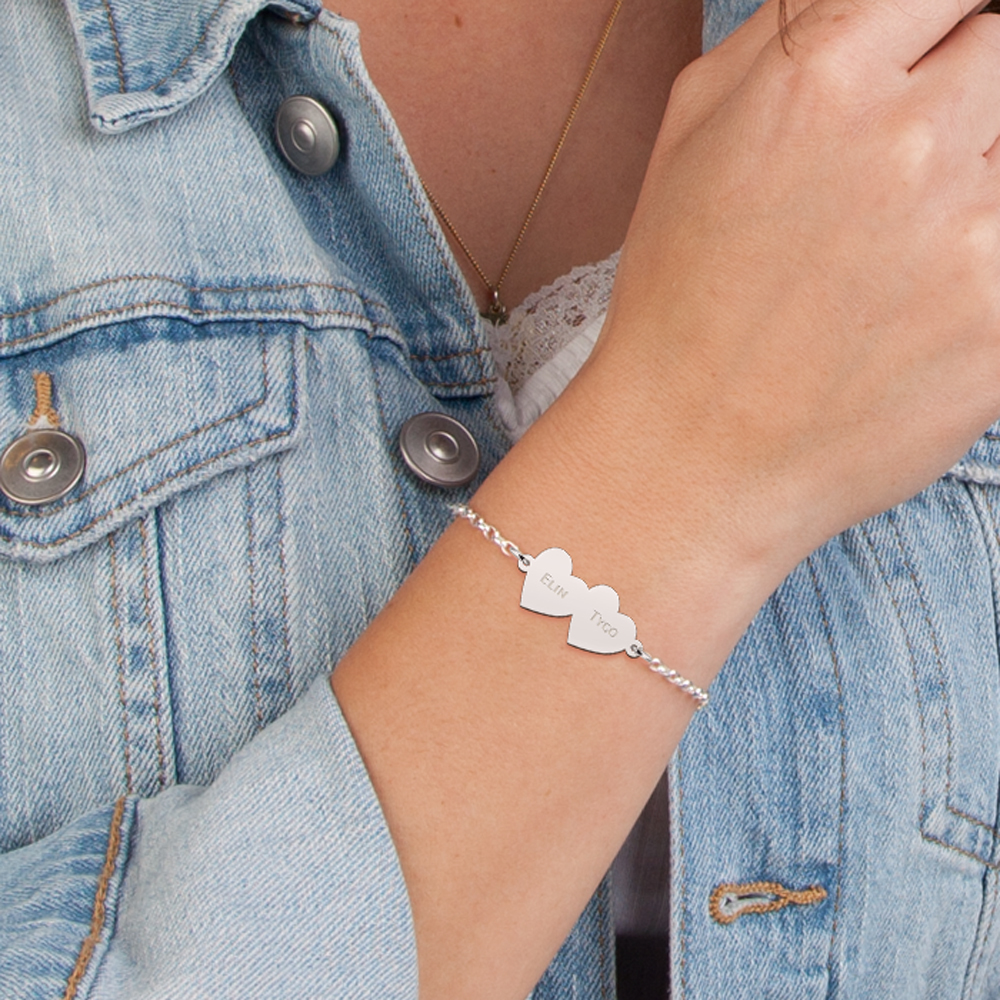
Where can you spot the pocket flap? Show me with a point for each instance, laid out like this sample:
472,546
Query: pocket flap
160,405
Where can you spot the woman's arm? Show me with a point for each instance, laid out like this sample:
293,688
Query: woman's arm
812,265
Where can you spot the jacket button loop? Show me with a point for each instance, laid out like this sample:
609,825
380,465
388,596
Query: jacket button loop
439,450
307,135
41,466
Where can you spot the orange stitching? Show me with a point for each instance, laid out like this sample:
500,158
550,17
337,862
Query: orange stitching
256,404
161,754
114,42
781,897
992,865
45,414
100,900
120,656
841,826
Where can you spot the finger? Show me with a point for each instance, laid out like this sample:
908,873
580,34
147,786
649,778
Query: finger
961,77
878,35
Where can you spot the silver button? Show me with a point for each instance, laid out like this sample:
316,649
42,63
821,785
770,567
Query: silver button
307,135
439,450
41,466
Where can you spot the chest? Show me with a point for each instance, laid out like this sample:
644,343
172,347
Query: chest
481,97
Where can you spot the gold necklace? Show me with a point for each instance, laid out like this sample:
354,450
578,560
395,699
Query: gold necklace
496,311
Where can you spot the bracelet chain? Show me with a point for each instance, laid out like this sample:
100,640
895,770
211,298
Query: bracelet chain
635,649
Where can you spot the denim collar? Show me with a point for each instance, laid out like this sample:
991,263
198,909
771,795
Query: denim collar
143,59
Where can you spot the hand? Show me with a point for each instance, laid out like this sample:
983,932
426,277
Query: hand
804,330
808,305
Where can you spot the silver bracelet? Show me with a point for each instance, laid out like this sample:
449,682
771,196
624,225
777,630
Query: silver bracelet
596,624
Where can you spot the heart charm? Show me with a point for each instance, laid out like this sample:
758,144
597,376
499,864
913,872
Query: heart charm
550,587
598,626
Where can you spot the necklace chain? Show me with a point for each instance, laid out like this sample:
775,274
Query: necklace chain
496,310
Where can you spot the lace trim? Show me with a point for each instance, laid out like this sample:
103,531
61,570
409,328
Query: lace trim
549,319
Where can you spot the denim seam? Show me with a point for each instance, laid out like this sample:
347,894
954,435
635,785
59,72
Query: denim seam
231,73
154,660
939,660
432,228
291,286
120,656
880,569
187,436
411,548
283,572
361,318
841,828
99,913
114,41
169,479
181,64
252,577
123,311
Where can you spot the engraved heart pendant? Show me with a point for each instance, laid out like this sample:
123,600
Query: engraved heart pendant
598,626
550,587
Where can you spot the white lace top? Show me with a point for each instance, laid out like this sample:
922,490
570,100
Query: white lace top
546,340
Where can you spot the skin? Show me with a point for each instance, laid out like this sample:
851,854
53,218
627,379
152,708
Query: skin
805,330
481,117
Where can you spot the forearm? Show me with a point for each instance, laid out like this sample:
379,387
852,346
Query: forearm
803,333
510,764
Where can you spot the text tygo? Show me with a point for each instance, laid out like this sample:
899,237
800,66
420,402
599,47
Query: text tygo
603,625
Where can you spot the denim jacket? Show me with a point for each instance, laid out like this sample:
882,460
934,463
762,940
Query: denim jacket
183,812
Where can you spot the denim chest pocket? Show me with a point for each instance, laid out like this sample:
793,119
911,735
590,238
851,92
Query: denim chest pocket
153,592
159,406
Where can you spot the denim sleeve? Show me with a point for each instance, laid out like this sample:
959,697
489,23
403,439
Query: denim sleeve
278,880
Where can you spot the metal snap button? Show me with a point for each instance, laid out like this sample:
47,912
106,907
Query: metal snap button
307,135
439,450
41,466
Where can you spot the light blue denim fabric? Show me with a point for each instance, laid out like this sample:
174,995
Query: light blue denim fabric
237,346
